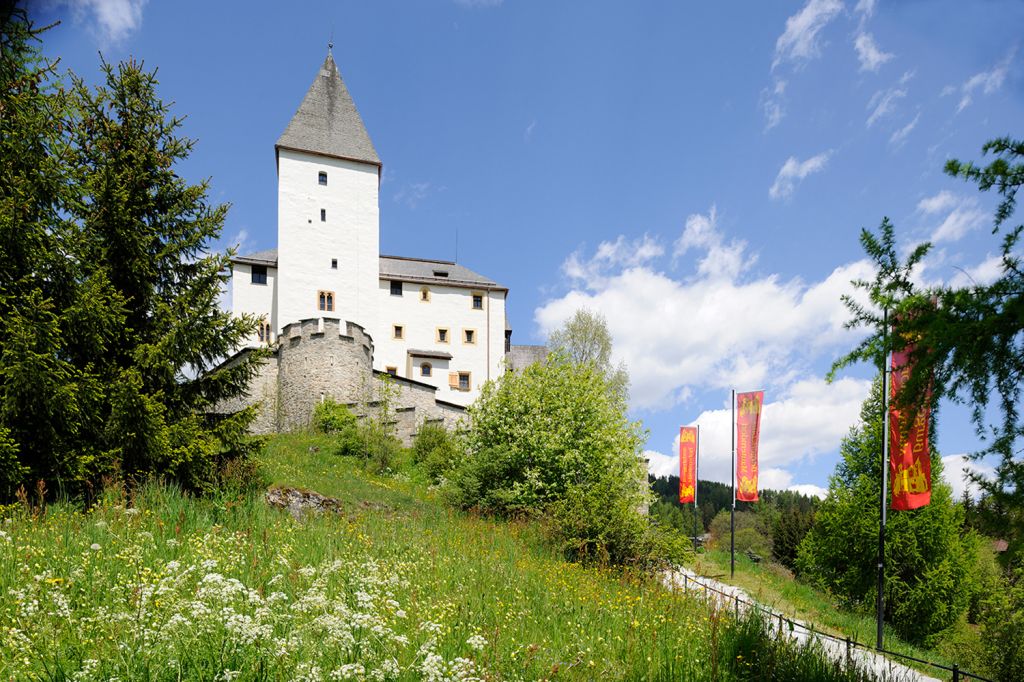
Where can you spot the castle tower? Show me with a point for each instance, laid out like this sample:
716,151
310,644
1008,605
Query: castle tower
328,219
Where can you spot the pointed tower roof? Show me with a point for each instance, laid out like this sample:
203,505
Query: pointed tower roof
327,121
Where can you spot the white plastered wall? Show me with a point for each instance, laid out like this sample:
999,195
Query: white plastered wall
258,299
449,307
306,245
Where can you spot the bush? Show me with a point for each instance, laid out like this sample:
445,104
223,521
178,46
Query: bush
333,417
436,451
555,440
750,533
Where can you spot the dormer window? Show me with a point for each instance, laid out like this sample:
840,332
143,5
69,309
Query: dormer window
322,178
440,273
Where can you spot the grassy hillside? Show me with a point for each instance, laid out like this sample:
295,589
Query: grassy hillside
164,586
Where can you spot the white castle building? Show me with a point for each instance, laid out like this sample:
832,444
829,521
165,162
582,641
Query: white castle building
431,324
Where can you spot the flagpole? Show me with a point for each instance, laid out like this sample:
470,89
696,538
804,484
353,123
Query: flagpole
696,478
880,600
732,515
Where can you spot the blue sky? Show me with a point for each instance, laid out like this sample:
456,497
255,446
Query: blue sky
697,172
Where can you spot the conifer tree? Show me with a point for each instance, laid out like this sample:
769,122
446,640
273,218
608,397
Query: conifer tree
928,556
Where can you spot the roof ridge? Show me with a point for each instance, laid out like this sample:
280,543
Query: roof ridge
420,260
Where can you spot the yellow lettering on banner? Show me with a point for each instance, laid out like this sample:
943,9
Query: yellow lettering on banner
687,437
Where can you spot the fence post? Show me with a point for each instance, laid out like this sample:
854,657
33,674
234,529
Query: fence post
780,626
847,652
956,673
685,583
737,606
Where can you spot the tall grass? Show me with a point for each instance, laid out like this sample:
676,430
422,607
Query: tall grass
163,586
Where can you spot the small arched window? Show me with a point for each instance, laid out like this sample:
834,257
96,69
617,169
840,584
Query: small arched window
425,369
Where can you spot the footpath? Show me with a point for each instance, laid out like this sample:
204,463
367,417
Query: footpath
733,598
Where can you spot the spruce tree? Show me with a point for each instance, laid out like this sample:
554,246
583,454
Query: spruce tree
928,556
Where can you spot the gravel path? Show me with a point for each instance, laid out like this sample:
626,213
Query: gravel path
866,659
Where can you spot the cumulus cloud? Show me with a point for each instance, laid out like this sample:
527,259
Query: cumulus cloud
871,57
793,172
807,419
987,82
956,471
800,41
111,21
709,328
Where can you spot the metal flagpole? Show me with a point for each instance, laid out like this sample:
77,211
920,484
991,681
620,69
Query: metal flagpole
886,372
696,478
732,515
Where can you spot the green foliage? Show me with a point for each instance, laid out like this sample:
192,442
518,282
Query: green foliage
751,533
585,340
555,440
436,450
1003,633
969,345
928,560
371,438
110,325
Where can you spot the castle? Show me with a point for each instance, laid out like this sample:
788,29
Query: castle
335,311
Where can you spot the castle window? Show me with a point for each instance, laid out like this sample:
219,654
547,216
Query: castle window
325,300
263,331
442,335
393,371
322,178
425,294
459,381
469,336
399,331
323,215
478,301
440,273
396,287
259,274
334,264
425,369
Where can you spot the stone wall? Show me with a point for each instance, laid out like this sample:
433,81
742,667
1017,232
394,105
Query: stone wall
324,358
520,357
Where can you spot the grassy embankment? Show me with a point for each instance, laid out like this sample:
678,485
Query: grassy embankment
164,586
774,586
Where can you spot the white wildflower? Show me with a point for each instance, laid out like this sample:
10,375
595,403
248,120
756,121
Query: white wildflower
94,547
131,511
349,671
477,642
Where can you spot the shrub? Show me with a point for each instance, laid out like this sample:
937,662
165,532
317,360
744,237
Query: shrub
750,533
333,417
436,451
555,440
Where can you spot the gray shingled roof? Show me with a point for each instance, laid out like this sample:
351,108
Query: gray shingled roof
403,268
437,354
265,257
428,271
327,121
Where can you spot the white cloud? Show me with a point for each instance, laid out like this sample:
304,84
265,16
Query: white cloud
678,334
985,272
943,201
870,55
987,81
794,171
528,133
963,217
413,193
810,490
955,470
799,42
772,103
112,21
865,7
809,418
900,136
883,102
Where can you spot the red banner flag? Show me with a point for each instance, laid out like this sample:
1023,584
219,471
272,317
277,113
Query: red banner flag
687,463
910,464
748,428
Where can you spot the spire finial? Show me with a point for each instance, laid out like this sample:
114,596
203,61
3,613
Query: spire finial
330,43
